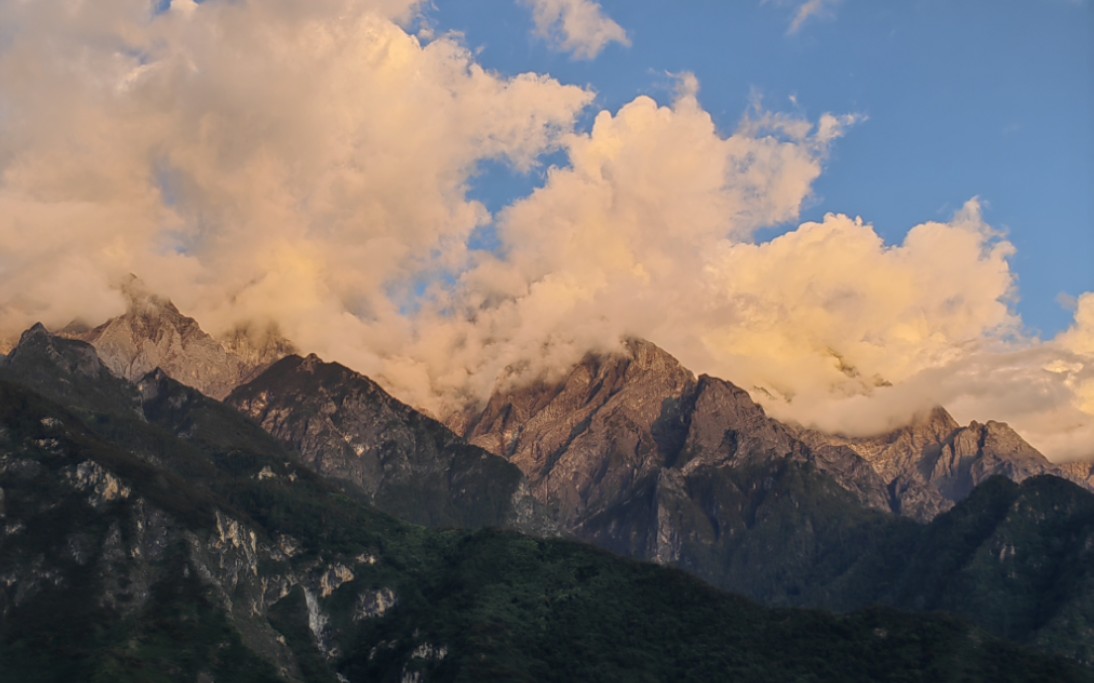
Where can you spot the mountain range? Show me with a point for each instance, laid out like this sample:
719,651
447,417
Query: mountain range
288,482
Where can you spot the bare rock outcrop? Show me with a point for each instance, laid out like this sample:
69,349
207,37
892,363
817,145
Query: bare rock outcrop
152,333
933,462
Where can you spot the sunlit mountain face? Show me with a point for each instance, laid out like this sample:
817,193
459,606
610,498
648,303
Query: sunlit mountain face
548,339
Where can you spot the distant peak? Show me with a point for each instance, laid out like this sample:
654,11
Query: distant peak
140,299
37,331
1003,432
649,356
258,344
990,427
936,418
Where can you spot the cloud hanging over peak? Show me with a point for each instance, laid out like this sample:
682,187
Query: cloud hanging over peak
579,27
309,164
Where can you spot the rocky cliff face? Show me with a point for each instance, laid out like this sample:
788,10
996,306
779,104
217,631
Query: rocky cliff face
346,427
132,549
152,334
617,420
933,462
583,443
1080,472
637,455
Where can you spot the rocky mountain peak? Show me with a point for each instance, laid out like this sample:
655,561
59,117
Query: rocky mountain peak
257,346
648,357
639,374
936,421
1079,471
153,333
80,377
37,345
619,423
998,440
934,462
141,300
35,330
36,334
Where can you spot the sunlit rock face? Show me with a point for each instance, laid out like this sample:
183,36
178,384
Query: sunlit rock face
617,420
152,333
1080,472
585,441
933,462
634,453
346,427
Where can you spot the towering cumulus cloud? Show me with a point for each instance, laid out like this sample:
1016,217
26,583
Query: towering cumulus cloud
620,241
308,164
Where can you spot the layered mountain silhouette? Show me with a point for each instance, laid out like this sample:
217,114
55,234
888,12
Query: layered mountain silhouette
152,533
638,456
633,453
622,415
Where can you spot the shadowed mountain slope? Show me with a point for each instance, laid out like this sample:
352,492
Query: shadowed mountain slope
346,427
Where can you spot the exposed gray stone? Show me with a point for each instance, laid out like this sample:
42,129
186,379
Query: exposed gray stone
932,463
152,333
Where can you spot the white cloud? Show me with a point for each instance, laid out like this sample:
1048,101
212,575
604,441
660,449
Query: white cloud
258,158
579,27
617,242
307,162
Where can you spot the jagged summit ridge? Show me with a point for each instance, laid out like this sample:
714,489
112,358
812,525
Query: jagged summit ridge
152,333
636,454
627,413
934,462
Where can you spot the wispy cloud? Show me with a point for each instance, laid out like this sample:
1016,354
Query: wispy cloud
579,27
810,9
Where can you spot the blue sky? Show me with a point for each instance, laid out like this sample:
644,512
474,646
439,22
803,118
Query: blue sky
961,99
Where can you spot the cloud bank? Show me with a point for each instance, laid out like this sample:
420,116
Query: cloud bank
309,165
